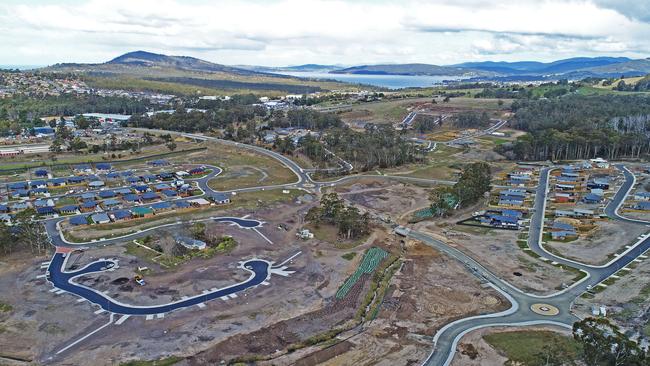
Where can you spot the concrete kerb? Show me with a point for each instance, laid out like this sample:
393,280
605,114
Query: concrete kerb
242,266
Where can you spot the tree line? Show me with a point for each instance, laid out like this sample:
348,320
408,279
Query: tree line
580,127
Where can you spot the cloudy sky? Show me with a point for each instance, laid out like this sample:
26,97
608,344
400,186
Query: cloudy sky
292,32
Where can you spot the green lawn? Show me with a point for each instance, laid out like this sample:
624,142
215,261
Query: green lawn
161,362
527,347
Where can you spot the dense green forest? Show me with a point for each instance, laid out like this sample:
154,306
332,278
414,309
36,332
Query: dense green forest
380,147
580,127
26,109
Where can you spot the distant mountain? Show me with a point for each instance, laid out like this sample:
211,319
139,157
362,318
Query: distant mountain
133,61
543,68
407,69
297,68
629,68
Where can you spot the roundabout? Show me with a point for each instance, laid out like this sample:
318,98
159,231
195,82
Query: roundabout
545,309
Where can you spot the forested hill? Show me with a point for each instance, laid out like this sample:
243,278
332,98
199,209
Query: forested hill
579,127
404,69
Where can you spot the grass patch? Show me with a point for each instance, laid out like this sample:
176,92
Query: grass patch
526,347
5,308
330,234
349,256
160,362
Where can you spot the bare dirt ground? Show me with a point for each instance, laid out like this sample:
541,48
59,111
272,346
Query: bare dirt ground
626,299
499,252
487,355
598,246
38,319
386,198
428,291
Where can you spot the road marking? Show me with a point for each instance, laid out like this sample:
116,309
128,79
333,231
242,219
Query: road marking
97,312
81,300
233,296
160,316
224,298
110,321
149,317
201,305
59,292
122,319
41,276
262,235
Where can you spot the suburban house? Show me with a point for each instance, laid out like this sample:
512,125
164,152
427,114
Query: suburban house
199,202
161,206
45,211
149,196
562,230
40,173
190,243
642,196
79,220
38,184
131,197
110,203
643,205
88,196
598,183
88,206
220,198
592,198
502,221
76,179
561,197
159,162
107,194
197,171
576,212
112,176
82,168
182,204
123,191
100,218
96,184
103,166
57,182
600,163
142,212
69,209
565,187
168,193
120,215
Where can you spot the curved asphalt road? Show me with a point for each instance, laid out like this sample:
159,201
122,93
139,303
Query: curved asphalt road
519,314
63,280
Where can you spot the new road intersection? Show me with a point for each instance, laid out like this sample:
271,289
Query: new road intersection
525,309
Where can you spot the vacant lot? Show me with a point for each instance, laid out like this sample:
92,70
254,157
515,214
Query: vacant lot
598,246
627,298
498,251
512,346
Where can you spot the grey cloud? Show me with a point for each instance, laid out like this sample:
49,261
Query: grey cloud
633,9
